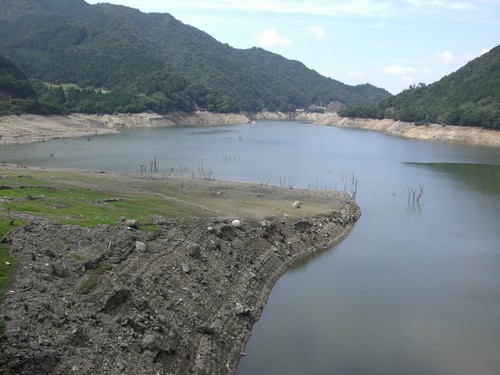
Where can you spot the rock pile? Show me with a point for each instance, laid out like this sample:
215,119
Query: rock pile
118,300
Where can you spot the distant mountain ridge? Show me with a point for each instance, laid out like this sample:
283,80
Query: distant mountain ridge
123,49
470,96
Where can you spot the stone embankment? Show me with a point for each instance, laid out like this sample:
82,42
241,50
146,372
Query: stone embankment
180,300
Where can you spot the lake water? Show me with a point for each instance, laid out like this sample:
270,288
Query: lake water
414,289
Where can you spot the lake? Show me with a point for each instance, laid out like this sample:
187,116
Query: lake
414,289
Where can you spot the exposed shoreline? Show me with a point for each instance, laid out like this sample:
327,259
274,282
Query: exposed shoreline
160,308
36,128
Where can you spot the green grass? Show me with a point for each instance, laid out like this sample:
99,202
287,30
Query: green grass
67,86
5,255
91,280
8,263
81,206
79,258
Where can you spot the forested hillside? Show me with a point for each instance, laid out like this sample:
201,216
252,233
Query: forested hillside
470,96
170,65
13,83
16,92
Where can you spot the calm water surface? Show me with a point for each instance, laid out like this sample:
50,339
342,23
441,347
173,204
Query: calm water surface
412,290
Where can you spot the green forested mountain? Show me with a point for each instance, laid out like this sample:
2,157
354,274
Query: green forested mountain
158,57
13,83
470,96
16,92
19,95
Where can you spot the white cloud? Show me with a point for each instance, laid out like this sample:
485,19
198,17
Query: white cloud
446,57
395,70
466,57
271,38
351,8
407,79
315,7
425,71
431,5
482,51
318,32
355,74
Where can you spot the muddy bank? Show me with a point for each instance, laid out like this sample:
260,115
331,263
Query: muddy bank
36,128
181,299
432,132
33,128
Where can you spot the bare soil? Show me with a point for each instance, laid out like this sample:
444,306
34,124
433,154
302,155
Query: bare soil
115,299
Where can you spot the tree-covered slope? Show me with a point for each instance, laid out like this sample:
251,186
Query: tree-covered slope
13,83
470,96
120,48
16,92
18,95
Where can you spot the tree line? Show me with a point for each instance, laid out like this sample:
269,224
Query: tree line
470,96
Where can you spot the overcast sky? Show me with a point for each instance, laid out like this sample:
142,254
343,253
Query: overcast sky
390,44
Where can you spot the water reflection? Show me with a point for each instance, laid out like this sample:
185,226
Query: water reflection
483,177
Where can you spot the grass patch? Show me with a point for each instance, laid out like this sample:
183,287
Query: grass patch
92,279
81,206
7,267
8,263
67,86
79,257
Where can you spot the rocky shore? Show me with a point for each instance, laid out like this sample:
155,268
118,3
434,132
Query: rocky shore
34,128
430,132
182,299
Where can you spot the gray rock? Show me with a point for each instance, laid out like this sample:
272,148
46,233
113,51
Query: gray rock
296,204
71,317
59,312
34,345
239,309
115,299
140,246
194,249
59,270
206,329
236,223
123,345
131,223
185,267
150,342
302,225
